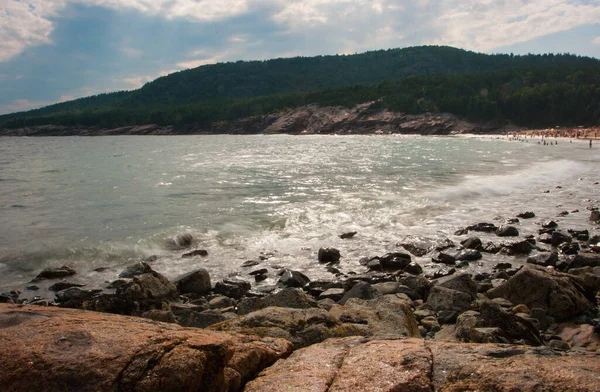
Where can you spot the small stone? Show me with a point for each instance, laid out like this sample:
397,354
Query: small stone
549,224
502,266
507,231
526,215
194,253
333,293
469,255
431,324
220,302
444,258
58,286
54,273
471,243
250,263
32,288
261,271
413,268
348,235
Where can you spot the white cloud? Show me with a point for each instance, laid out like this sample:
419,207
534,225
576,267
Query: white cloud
213,59
596,41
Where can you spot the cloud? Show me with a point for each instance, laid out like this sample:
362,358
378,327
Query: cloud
596,41
215,58
19,105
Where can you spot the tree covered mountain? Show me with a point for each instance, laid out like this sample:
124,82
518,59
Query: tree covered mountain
536,90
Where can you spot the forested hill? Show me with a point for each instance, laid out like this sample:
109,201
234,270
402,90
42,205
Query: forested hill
413,80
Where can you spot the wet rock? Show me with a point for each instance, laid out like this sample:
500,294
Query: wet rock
444,258
250,263
507,231
595,216
195,253
517,247
361,290
414,249
585,260
483,227
560,295
490,247
544,259
133,270
32,288
348,235
54,273
196,282
181,241
286,298
559,237
89,351
571,248
580,235
73,296
502,266
439,272
469,255
545,238
290,278
526,215
413,268
329,255
232,288
394,261
261,271
471,243
58,286
463,231
443,245
549,224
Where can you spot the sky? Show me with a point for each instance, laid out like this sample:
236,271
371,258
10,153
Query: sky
57,50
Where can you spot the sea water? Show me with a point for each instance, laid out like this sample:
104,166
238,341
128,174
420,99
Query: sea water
91,202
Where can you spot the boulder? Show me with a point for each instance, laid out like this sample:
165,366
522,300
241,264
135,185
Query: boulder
54,349
585,260
302,327
582,336
329,255
232,288
460,282
442,298
286,298
361,364
362,290
388,315
195,282
558,237
560,295
54,273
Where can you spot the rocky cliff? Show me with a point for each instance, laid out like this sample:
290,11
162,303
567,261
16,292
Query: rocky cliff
311,119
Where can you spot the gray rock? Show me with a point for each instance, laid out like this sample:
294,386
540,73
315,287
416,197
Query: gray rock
362,290
517,247
444,258
559,237
560,295
232,288
196,282
195,253
333,293
442,298
585,260
413,268
526,215
58,286
461,282
595,216
471,243
220,302
165,316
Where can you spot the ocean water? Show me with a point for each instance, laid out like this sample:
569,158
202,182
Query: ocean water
111,201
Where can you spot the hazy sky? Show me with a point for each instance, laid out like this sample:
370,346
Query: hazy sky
56,50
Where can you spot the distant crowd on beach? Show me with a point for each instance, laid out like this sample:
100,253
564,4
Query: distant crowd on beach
546,134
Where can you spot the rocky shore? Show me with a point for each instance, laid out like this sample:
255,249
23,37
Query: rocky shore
310,119
396,326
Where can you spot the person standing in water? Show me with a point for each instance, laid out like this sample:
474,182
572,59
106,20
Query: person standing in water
590,143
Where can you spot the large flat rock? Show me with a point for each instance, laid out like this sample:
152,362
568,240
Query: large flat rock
55,349
364,364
